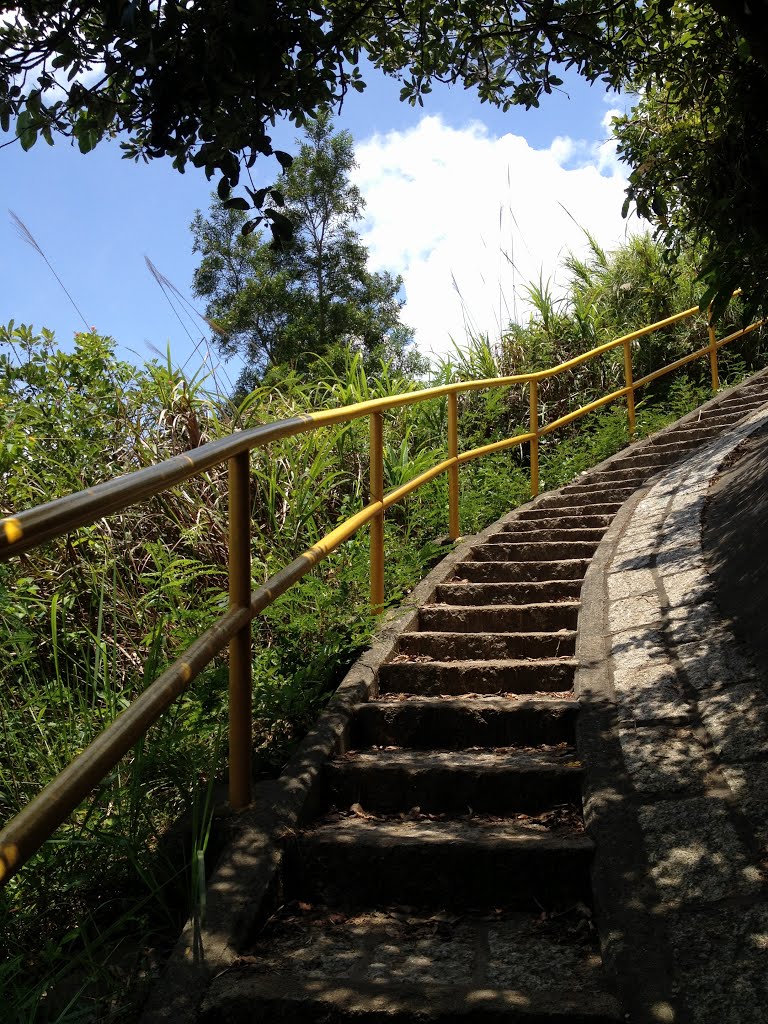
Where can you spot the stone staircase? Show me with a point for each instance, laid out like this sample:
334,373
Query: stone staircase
447,877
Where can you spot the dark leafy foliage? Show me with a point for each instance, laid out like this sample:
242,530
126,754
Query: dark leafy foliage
204,83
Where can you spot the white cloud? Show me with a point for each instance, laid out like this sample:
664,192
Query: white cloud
449,205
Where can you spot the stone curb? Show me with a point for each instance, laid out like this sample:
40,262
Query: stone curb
632,944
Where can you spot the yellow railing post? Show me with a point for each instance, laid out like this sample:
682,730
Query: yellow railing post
240,712
454,530
377,523
712,351
628,383
534,429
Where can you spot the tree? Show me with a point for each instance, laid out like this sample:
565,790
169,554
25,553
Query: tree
697,141
312,294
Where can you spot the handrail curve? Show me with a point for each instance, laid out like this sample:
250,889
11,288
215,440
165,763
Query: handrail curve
37,821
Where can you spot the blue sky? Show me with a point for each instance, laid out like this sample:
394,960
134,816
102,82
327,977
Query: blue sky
447,187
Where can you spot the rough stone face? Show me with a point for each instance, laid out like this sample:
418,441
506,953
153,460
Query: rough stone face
749,784
694,852
652,694
663,759
736,720
721,964
632,612
639,646
699,622
630,584
687,587
708,664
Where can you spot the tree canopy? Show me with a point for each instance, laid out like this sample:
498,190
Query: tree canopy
204,83
697,144
310,296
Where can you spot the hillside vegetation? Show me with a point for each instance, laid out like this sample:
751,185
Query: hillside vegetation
90,619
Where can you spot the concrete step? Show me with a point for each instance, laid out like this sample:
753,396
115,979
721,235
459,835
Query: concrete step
439,862
651,459
499,781
725,417
507,593
430,678
582,504
713,419
533,533
517,572
315,965
496,646
629,476
529,550
247,995
524,618
739,403
675,446
526,527
560,508
600,490
671,445
458,722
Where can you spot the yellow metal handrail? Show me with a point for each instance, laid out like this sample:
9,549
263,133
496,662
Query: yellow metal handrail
36,822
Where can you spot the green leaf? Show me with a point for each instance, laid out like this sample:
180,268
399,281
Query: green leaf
87,139
257,195
250,226
280,219
236,203
26,131
659,205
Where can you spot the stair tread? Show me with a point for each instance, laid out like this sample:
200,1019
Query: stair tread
508,586
401,965
477,702
530,615
559,633
437,830
572,533
610,487
542,511
557,591
494,570
246,994
550,698
542,546
560,758
460,646
510,607
467,664
564,563
600,522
